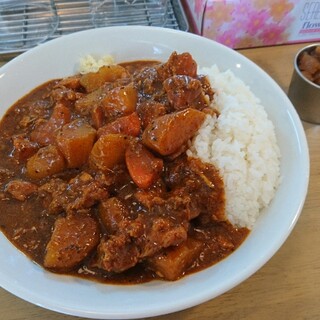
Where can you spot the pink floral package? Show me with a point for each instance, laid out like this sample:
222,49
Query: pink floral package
255,23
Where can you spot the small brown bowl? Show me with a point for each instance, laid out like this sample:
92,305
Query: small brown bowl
303,93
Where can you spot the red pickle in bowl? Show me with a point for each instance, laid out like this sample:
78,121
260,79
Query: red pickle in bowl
304,90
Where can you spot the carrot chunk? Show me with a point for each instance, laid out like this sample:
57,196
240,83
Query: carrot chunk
75,141
129,125
46,132
46,162
170,132
97,116
143,166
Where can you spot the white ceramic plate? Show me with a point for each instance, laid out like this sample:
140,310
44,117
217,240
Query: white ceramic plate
74,296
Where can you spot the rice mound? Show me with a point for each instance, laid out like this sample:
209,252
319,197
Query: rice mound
90,64
242,144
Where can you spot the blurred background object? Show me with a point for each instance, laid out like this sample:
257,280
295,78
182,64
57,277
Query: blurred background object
25,24
304,89
125,12
255,23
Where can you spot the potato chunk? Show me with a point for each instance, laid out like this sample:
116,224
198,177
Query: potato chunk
73,238
120,101
75,141
93,80
108,151
168,133
172,263
46,162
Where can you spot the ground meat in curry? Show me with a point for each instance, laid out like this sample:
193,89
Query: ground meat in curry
95,181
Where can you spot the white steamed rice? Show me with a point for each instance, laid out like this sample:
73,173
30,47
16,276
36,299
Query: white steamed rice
242,144
90,64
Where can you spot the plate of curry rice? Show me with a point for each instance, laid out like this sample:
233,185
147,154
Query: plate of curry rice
143,171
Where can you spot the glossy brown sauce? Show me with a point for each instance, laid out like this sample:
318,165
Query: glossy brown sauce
29,224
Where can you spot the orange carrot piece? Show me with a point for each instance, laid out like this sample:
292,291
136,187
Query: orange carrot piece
97,116
129,125
46,132
143,166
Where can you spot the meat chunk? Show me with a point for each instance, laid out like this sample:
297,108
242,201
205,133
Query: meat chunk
81,192
138,239
178,64
72,82
206,86
149,110
84,191
169,133
198,187
72,240
20,189
183,91
150,198
163,232
65,95
113,212
52,193
149,82
23,148
117,254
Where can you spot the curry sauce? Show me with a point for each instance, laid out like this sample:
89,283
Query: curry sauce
95,181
